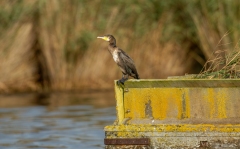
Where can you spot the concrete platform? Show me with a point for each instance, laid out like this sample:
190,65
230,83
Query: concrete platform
177,113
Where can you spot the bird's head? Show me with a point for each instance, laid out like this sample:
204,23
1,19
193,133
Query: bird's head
109,38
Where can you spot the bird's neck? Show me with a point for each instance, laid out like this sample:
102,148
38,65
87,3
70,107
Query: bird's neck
112,44
111,48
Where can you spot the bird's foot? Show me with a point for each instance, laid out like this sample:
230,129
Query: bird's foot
120,84
121,81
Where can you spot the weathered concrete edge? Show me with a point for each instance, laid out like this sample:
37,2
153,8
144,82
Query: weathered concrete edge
152,83
175,128
119,102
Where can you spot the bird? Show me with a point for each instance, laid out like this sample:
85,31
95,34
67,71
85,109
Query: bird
124,62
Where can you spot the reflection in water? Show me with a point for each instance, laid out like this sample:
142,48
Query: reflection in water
56,125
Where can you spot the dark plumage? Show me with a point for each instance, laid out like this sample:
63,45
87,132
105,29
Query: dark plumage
124,62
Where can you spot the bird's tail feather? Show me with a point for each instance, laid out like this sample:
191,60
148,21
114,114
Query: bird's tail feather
137,77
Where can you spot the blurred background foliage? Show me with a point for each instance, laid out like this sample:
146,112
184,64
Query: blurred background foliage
52,45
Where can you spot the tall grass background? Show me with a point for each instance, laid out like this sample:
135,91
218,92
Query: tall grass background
52,45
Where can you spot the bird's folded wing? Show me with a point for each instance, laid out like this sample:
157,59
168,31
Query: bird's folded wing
126,62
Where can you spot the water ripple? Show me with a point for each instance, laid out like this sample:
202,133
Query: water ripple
66,127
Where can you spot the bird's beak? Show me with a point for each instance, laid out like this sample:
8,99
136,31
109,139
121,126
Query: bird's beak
104,38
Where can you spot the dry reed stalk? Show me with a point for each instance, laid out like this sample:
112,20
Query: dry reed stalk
225,64
17,64
160,60
72,58
55,31
211,25
59,24
152,58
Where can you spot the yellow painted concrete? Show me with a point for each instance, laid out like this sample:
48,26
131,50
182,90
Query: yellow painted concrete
221,99
187,112
119,102
165,102
210,98
167,111
217,98
175,128
162,103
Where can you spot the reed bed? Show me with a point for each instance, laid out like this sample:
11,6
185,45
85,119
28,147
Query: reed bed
225,65
52,45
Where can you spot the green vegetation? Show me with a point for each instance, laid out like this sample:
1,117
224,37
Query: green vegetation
51,44
222,66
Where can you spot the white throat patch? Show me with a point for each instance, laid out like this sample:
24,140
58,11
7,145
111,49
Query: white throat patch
115,56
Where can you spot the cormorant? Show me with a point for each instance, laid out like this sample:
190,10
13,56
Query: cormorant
124,62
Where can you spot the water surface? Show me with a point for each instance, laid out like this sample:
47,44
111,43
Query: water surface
61,121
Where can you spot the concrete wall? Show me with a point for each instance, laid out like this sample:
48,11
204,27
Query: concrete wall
173,110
